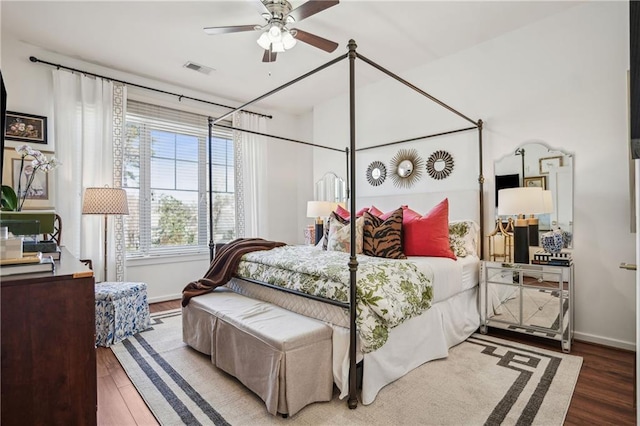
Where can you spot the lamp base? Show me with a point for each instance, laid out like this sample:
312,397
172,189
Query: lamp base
521,244
534,235
319,231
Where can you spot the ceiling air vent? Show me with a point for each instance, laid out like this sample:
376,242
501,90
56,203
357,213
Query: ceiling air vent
200,68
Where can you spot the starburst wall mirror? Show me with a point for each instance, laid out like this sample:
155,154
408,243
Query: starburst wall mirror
406,168
376,173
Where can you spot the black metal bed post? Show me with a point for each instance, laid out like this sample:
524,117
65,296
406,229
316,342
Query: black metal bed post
212,244
346,151
481,184
353,261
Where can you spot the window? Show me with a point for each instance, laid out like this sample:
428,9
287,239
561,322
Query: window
166,179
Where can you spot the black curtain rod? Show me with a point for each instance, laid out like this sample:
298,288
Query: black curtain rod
180,97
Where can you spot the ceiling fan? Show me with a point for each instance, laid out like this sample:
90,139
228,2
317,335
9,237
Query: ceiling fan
276,36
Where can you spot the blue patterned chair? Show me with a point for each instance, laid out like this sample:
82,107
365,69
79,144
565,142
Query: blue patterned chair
122,310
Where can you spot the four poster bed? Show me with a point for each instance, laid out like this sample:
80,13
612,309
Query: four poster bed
391,327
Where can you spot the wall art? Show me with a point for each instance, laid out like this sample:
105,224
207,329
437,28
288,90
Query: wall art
406,168
376,173
440,165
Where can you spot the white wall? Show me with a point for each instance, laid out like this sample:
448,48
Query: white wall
290,183
561,81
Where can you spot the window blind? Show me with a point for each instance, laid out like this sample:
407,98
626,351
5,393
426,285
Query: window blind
166,179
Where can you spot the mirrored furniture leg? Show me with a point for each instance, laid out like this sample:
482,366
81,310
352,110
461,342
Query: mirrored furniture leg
533,299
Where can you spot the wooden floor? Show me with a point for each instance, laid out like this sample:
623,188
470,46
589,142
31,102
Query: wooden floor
603,394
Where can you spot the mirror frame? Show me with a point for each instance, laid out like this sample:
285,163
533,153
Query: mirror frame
331,187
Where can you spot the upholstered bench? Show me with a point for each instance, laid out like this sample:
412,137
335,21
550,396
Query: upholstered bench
122,310
283,357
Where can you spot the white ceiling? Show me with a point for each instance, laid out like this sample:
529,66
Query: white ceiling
156,38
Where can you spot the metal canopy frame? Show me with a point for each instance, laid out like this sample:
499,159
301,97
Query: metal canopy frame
352,55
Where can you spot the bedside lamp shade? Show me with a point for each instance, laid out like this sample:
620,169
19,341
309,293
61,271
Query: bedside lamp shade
318,210
521,201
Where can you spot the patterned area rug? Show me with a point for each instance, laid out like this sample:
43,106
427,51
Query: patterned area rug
484,380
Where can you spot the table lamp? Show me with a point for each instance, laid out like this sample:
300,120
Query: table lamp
319,210
520,201
105,201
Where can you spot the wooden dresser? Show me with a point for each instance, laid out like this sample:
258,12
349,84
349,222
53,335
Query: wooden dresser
48,346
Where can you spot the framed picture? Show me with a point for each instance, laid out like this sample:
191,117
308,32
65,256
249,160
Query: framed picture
547,163
535,182
40,195
25,128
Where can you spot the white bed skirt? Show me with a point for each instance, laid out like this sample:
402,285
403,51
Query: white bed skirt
411,344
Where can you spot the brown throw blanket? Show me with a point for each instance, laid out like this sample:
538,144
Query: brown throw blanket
224,265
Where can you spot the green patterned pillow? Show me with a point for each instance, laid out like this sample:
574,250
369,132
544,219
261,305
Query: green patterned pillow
463,237
383,238
340,236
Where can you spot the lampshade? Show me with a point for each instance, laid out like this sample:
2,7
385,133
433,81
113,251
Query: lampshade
320,208
288,40
520,201
264,41
105,200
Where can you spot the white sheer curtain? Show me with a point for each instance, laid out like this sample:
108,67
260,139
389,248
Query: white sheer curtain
84,132
251,176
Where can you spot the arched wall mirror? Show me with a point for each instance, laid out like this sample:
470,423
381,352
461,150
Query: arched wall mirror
331,187
536,164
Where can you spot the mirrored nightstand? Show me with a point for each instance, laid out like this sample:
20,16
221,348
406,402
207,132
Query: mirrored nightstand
533,299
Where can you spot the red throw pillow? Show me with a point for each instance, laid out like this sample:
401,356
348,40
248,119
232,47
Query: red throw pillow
374,211
407,214
343,213
362,211
429,234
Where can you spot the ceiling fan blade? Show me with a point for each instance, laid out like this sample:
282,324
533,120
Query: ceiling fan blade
311,8
227,30
269,56
316,41
259,6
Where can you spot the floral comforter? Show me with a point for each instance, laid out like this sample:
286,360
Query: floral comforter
388,291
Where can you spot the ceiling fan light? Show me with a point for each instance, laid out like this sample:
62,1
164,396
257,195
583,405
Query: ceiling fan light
264,41
277,47
275,34
287,40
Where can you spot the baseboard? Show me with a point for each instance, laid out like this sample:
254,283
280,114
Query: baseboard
591,338
165,298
